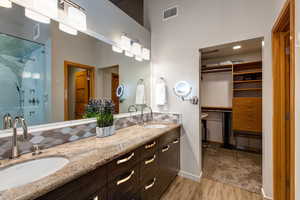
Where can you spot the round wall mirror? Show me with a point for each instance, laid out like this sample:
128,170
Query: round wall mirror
182,89
120,91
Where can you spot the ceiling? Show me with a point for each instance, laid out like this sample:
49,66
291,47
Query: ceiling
224,50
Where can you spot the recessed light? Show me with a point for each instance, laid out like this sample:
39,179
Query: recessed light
237,47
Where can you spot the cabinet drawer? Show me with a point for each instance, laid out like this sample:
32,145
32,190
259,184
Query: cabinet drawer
149,148
150,189
120,165
125,185
169,137
247,114
149,167
80,189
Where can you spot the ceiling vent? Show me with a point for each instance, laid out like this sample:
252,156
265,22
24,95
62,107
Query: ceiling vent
170,13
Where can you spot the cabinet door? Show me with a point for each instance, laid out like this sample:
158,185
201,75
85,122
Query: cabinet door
174,164
165,172
247,114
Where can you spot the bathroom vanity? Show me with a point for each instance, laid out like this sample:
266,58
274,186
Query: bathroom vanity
136,163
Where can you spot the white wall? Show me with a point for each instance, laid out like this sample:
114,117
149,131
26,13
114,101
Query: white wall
175,56
297,96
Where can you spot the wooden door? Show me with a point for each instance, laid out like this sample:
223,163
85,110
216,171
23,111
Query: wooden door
114,86
81,93
283,39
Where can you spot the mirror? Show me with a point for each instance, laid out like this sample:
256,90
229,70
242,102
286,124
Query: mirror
47,75
120,91
182,89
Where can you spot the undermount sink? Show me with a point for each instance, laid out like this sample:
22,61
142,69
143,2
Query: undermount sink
30,171
156,126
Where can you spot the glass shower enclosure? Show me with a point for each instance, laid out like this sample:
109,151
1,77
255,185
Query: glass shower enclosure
25,79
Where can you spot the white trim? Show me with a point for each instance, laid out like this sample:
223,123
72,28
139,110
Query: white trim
190,176
264,194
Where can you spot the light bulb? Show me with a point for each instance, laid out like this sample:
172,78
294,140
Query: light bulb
136,49
129,54
36,16
67,29
117,49
5,3
77,18
146,54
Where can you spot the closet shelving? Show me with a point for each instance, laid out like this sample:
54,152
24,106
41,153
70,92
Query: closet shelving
247,99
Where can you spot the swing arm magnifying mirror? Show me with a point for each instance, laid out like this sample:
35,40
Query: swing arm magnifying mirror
120,91
182,90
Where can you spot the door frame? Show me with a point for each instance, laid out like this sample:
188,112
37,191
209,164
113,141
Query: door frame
67,65
116,75
283,122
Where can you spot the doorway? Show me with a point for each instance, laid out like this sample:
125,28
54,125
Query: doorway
231,113
79,89
284,104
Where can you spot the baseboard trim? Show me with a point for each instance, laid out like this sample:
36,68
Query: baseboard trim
190,176
264,194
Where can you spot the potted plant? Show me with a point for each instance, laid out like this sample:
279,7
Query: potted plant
103,110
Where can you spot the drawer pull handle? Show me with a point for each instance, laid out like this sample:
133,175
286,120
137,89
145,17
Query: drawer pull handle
149,146
125,179
151,160
176,141
125,159
166,148
151,185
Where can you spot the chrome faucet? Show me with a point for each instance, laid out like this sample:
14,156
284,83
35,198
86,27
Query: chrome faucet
7,121
142,113
130,108
15,147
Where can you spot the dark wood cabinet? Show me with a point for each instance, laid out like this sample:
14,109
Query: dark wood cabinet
169,159
142,174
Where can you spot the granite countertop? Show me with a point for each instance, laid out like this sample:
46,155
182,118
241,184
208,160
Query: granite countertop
84,156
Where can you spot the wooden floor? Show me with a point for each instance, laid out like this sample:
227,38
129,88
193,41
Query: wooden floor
185,189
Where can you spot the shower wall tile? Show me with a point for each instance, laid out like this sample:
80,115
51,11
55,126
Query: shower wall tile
47,139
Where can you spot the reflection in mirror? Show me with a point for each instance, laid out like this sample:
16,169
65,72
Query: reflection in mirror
47,75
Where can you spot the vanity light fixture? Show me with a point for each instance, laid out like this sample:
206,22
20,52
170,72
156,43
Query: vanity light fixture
42,10
136,49
77,18
6,3
67,29
129,54
236,47
36,16
26,74
117,49
36,76
146,54
125,43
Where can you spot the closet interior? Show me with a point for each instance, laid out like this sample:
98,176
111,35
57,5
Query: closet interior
231,112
